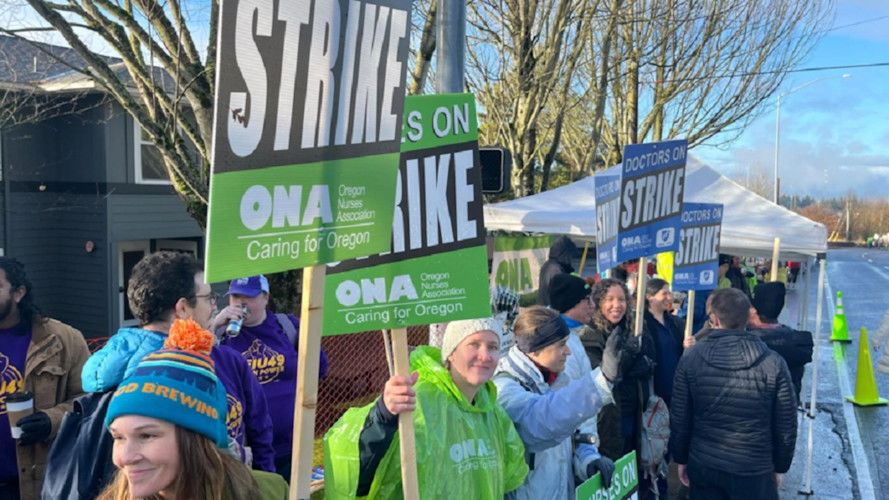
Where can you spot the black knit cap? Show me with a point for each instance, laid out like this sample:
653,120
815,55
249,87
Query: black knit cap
768,299
566,291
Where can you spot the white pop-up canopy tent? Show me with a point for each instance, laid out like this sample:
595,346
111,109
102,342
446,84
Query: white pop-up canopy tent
750,223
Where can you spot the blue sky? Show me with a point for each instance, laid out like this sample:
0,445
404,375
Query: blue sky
835,132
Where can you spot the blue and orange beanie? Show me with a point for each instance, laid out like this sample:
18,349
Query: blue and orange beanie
177,384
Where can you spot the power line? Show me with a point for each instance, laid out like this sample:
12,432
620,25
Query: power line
865,21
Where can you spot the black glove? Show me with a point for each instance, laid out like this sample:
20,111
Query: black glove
603,465
611,357
35,428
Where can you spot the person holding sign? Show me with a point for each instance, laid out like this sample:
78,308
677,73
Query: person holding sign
619,424
548,406
467,446
667,331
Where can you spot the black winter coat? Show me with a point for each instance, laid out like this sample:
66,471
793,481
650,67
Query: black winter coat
561,252
733,407
793,345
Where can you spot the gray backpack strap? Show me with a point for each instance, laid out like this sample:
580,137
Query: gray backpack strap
288,326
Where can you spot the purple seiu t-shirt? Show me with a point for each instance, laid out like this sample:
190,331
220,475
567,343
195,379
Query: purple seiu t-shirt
247,420
13,352
272,357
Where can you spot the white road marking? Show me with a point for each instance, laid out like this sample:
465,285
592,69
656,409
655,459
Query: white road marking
862,468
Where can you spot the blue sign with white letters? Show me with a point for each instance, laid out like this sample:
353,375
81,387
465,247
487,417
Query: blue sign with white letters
651,191
607,186
696,262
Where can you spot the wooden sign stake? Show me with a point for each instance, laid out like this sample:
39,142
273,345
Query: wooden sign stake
690,313
308,360
776,249
409,483
640,294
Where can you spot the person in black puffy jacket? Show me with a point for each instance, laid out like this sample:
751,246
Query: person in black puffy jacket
733,412
561,255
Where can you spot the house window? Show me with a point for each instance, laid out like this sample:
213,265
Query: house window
148,160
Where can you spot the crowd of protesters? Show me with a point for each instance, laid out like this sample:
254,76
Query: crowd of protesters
527,403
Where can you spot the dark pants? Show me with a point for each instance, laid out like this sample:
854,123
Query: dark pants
282,466
9,489
712,484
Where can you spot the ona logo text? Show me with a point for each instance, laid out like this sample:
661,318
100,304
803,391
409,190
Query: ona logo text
376,290
284,206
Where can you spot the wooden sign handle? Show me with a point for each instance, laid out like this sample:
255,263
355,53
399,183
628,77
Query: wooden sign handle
409,482
308,360
690,313
776,249
640,294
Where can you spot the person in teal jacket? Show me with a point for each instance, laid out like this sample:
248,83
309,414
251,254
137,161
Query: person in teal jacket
466,444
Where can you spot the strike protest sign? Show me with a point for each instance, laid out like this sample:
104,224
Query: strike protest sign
607,191
696,262
308,109
652,185
436,267
624,482
517,261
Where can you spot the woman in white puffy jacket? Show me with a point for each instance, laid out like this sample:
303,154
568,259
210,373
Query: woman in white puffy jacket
548,407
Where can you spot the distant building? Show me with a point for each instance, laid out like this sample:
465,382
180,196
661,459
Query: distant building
83,196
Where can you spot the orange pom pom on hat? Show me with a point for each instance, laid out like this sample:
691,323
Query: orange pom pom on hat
177,384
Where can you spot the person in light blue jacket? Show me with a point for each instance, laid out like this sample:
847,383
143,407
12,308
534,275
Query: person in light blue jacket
548,407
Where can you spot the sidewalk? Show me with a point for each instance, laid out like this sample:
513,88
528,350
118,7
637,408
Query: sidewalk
832,457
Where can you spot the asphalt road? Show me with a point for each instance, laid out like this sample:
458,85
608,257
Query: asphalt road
863,277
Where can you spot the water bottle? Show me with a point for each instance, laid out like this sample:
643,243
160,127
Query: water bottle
234,326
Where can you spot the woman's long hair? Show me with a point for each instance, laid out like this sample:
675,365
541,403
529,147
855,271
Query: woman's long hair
652,287
599,321
206,472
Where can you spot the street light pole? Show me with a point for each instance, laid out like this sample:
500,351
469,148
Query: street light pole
778,125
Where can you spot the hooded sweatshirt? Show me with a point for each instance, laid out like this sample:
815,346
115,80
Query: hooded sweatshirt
561,253
733,407
464,450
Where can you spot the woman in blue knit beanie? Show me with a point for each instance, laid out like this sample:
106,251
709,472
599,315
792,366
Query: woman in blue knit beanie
168,424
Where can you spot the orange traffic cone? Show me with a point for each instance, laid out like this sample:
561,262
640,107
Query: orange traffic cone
865,382
840,332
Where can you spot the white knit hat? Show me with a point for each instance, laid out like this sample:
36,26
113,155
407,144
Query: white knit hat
456,331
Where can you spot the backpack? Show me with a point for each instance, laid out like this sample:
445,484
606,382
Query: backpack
288,327
655,437
79,463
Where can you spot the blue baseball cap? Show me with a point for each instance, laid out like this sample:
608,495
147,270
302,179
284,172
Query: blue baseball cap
250,287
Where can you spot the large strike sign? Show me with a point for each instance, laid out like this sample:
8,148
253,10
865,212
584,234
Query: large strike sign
517,261
651,189
308,109
696,263
436,268
607,192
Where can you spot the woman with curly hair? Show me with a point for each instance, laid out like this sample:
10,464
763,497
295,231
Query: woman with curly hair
619,424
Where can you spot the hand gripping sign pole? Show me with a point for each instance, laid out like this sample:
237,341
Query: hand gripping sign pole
308,360
822,264
409,482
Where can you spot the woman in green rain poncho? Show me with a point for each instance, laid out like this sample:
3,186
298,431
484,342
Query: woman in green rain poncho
467,446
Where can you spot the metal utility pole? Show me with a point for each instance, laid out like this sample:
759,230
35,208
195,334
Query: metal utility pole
451,43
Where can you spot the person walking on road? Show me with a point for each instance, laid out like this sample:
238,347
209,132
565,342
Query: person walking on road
733,413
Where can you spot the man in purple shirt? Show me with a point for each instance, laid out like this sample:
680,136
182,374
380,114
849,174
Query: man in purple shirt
39,355
163,287
268,343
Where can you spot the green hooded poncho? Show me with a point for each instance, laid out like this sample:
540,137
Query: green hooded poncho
463,450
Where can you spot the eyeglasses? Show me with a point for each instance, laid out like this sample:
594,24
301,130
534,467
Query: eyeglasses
211,297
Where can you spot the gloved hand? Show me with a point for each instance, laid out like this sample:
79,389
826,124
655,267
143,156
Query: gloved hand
35,428
618,355
603,465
